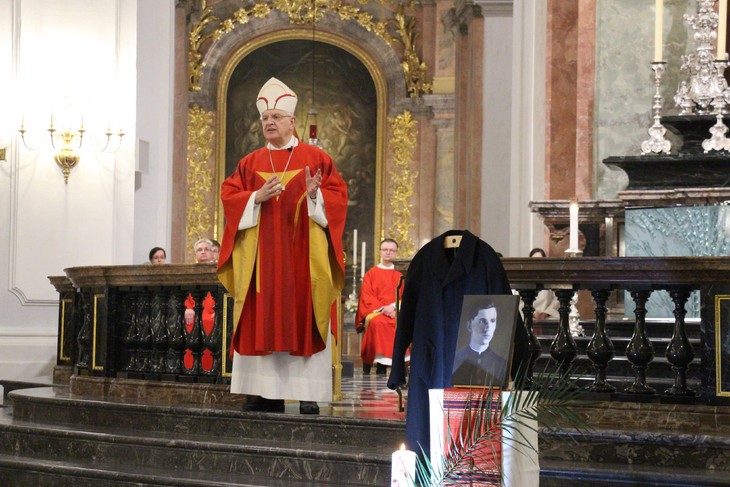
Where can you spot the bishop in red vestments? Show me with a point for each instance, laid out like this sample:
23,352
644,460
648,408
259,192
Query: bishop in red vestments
376,309
281,258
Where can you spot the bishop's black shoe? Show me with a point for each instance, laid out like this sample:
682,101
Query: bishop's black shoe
261,404
308,407
380,369
366,368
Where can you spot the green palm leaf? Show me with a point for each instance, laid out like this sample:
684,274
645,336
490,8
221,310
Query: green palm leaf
472,449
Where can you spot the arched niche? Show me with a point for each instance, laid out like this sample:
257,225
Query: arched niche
378,59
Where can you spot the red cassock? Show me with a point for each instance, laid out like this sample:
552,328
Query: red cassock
379,287
287,272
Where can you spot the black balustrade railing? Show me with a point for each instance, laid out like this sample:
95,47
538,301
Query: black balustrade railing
173,322
639,277
147,322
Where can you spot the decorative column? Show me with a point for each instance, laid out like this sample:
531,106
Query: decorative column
467,25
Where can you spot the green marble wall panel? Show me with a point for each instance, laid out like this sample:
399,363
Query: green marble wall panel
625,81
699,231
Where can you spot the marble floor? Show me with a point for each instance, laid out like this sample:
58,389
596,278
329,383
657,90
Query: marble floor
362,397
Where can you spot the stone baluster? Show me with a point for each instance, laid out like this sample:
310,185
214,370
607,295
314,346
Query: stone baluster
679,351
158,332
600,349
175,333
127,357
528,297
212,337
194,337
640,351
563,349
85,335
143,329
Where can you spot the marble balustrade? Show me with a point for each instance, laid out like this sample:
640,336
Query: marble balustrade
167,322
129,321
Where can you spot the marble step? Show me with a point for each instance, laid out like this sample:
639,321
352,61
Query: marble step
26,471
54,406
694,449
187,441
183,455
562,474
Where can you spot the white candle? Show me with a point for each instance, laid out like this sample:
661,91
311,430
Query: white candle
722,29
403,471
658,28
362,269
354,247
573,225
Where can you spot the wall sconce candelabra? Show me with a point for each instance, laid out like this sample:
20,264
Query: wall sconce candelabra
69,140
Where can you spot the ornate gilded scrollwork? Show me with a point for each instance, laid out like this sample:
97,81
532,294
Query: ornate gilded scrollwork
414,69
311,11
404,133
200,176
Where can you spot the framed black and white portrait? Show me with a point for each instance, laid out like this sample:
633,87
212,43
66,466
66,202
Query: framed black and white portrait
486,336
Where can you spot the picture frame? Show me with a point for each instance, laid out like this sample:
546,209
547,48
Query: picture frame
485,342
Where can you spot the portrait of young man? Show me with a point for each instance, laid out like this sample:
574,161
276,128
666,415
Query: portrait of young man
484,347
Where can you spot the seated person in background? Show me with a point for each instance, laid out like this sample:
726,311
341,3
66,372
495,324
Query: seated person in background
203,249
546,304
157,256
376,310
477,364
215,249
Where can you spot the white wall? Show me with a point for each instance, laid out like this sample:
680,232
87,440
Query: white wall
155,70
527,166
80,54
497,73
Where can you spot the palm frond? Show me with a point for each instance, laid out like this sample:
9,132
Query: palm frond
472,450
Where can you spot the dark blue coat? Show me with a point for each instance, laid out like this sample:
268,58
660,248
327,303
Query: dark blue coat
436,283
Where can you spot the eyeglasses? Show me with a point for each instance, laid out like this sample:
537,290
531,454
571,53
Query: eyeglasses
275,117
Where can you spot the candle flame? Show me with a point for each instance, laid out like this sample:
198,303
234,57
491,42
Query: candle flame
402,447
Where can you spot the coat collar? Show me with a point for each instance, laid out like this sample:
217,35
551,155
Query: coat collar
463,258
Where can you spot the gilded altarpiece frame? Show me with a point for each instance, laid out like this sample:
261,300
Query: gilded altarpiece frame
385,43
358,156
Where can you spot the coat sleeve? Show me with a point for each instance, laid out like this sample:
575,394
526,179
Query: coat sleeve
405,323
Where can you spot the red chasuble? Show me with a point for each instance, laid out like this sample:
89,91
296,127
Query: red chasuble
286,273
378,289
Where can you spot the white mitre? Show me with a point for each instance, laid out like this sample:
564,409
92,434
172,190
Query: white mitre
276,95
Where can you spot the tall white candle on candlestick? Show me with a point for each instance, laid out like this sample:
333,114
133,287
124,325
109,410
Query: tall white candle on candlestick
354,247
362,270
573,225
722,29
658,28
403,470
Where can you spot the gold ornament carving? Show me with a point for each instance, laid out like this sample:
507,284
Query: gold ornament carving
414,69
404,134
304,12
200,177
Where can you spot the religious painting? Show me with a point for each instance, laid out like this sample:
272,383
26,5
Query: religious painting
341,90
484,346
